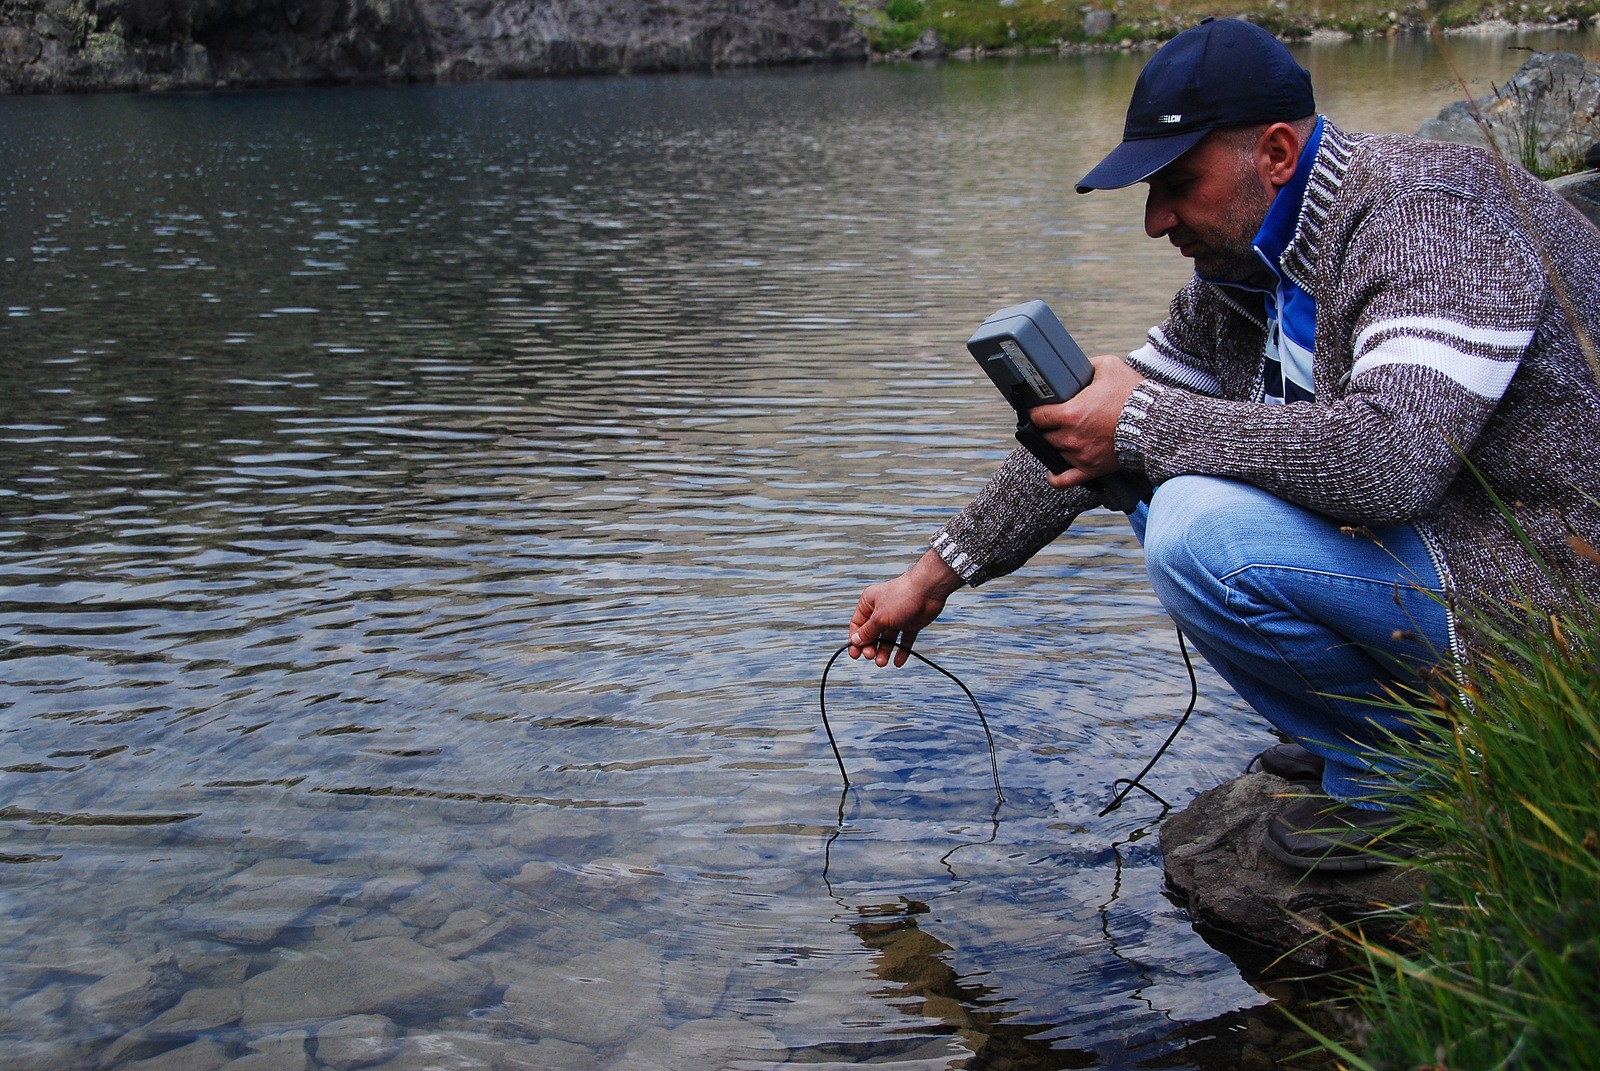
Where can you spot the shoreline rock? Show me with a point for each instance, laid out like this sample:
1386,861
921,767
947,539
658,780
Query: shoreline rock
1266,916
1547,115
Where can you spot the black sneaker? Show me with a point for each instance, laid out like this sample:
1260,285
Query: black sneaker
1319,833
1290,762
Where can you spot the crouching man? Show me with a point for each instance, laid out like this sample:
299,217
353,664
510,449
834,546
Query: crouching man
1385,341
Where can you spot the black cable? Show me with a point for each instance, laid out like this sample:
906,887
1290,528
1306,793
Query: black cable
1137,781
1131,783
822,699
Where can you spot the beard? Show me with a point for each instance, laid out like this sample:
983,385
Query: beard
1229,254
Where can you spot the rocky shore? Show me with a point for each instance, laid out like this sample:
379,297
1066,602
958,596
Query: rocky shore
66,46
55,46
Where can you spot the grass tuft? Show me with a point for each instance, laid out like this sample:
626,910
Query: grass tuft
1499,965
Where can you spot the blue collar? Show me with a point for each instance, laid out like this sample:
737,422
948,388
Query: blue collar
1278,229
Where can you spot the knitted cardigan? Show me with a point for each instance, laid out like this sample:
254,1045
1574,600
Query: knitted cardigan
1441,334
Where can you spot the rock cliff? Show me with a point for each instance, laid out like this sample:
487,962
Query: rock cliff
49,46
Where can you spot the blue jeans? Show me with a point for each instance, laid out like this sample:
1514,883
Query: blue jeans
1310,624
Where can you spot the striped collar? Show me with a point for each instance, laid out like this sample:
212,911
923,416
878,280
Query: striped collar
1300,256
1283,217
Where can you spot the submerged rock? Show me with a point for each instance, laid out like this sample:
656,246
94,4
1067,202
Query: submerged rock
357,1041
597,999
1257,909
203,1055
47,46
390,976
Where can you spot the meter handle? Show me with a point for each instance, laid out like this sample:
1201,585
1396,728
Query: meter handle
1119,490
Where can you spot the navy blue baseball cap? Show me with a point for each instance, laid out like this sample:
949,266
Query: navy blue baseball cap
1223,72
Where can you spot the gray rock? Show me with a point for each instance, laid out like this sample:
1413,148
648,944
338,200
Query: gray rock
205,1055
144,44
721,1043
553,1055
1096,23
280,1052
1582,191
42,1015
357,1041
599,999
388,887
1255,907
929,46
1548,112
197,1013
466,931
430,905
444,1051
390,976
200,1011
259,903
132,995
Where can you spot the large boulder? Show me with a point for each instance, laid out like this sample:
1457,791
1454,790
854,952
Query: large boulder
1260,911
1545,117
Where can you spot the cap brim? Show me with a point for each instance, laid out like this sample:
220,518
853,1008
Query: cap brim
1135,161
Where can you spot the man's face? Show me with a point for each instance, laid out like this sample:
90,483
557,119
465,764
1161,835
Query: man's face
1209,203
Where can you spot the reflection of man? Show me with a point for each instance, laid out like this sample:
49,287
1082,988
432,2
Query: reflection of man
1365,312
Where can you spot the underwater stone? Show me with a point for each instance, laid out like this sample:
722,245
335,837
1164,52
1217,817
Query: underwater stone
553,1055
278,1052
357,1041
600,998
259,903
132,995
461,1052
199,1011
387,975
205,1055
705,1043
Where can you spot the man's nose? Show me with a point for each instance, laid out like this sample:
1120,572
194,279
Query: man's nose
1158,217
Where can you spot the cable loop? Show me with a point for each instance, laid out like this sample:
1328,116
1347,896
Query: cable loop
822,700
1128,784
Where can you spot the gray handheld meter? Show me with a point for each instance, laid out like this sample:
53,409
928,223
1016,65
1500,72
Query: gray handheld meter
1031,358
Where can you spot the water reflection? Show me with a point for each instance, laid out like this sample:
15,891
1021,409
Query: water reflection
424,516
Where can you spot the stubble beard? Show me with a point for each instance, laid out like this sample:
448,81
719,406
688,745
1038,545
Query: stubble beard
1230,254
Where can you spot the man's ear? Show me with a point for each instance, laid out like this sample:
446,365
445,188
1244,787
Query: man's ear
1277,154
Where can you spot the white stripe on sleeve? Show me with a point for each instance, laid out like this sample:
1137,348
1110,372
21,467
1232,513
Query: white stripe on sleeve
1152,360
1491,337
1483,376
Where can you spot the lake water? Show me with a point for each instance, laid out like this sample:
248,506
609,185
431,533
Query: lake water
425,515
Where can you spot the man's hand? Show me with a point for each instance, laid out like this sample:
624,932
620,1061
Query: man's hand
1083,429
888,616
